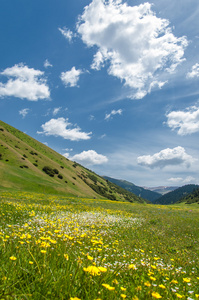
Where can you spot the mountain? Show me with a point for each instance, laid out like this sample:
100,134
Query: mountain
176,195
26,164
191,198
162,189
137,190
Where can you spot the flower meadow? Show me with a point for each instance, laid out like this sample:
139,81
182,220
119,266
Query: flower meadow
55,247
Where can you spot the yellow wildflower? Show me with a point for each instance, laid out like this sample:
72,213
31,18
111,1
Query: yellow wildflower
178,295
66,256
89,257
186,280
162,286
123,289
92,270
156,295
13,258
108,287
123,296
102,269
31,262
43,251
147,284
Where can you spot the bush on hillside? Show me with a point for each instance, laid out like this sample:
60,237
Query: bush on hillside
49,171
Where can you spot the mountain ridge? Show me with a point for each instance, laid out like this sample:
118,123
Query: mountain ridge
137,190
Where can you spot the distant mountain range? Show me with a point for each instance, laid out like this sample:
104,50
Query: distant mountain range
162,189
137,190
28,165
176,195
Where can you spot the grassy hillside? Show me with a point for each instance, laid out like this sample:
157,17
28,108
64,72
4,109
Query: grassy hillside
176,195
26,164
191,198
137,190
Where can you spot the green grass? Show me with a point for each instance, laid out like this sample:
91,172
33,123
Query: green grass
56,247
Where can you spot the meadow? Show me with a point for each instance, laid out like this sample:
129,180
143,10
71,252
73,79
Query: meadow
56,247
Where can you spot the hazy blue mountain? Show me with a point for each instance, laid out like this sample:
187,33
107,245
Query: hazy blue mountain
137,190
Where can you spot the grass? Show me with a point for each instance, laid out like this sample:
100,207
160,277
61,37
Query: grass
56,247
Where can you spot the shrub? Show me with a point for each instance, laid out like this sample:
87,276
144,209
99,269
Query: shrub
0,156
60,176
49,171
36,165
55,171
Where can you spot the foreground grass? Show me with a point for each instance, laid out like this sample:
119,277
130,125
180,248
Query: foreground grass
70,248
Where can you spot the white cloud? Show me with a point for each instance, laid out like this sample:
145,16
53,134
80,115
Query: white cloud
62,128
175,179
166,157
70,78
67,33
194,72
24,112
188,179
186,122
25,82
113,113
47,64
89,157
56,110
137,45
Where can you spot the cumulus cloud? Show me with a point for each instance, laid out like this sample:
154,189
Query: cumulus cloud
25,83
24,112
62,128
67,33
47,64
194,72
71,78
188,179
166,157
112,113
136,45
186,122
89,157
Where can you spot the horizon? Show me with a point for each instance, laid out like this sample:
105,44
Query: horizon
112,85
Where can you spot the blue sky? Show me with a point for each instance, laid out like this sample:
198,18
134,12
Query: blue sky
113,85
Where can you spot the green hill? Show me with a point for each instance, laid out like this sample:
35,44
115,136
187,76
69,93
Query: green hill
137,190
28,165
191,198
176,195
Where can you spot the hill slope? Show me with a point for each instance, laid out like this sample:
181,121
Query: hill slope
176,195
137,190
191,198
26,164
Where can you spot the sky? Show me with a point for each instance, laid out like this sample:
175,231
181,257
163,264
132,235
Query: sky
110,84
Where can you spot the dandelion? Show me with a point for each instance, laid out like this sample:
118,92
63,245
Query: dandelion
43,251
178,295
123,296
132,266
89,257
123,289
152,278
108,287
92,270
66,256
147,284
162,286
156,295
13,258
186,280
102,269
